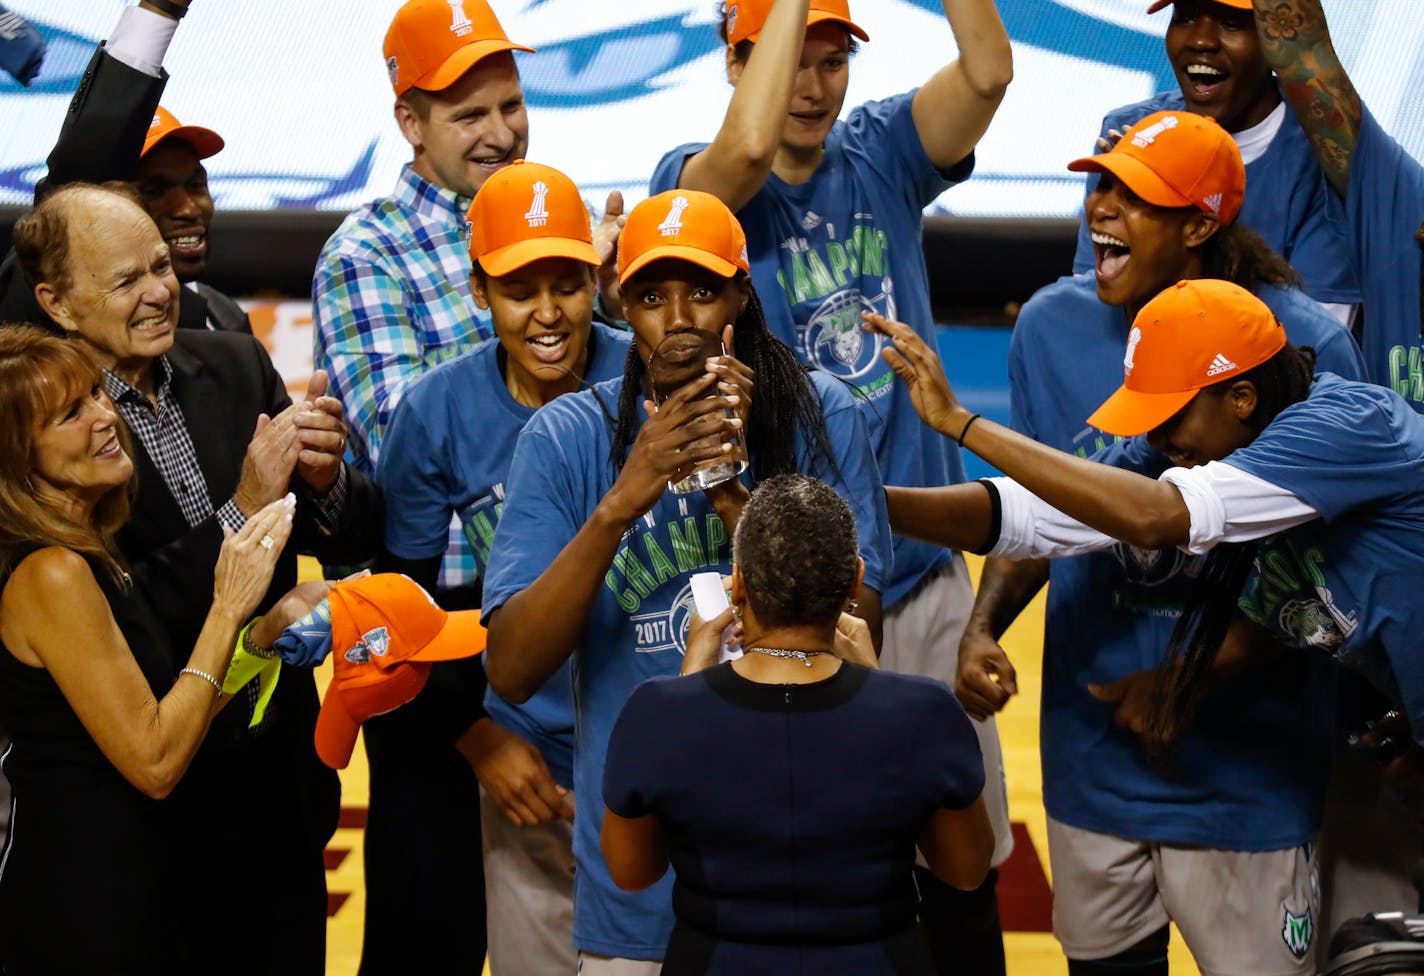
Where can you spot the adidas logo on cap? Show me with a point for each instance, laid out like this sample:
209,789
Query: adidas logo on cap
1220,365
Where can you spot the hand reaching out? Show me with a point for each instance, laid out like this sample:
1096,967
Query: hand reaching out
919,368
605,241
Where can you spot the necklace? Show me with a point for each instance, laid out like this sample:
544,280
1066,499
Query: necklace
804,656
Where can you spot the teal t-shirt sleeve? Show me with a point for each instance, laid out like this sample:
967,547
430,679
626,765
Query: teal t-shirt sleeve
416,485
669,168
886,128
1337,450
860,481
1385,201
538,519
1021,400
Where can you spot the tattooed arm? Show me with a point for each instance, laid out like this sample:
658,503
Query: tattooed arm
1296,43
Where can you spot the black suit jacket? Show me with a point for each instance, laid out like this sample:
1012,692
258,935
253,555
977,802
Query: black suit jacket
271,781
101,140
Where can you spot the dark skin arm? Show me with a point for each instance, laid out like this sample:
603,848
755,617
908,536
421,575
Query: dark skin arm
532,635
1127,506
1296,43
985,679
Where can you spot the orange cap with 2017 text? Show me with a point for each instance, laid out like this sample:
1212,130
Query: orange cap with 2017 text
431,43
525,212
1190,336
205,142
1177,159
745,18
685,224
385,632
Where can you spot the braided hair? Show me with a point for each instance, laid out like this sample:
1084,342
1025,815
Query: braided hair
786,407
1210,603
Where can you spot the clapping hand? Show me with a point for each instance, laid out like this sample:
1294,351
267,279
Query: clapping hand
321,430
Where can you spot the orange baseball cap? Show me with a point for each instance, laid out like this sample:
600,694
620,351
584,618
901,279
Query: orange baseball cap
686,224
1177,159
385,632
746,17
431,43
525,212
1238,4
205,142
1192,335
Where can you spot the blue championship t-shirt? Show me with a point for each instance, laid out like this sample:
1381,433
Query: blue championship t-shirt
447,453
637,627
1251,772
1286,199
848,240
1349,582
1377,221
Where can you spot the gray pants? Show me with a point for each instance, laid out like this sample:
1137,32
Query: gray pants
529,894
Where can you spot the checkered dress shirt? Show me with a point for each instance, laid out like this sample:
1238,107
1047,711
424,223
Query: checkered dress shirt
390,299
164,436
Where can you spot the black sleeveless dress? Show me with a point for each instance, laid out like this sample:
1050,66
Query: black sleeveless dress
86,868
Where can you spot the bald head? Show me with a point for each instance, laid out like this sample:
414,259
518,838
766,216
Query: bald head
43,237
101,270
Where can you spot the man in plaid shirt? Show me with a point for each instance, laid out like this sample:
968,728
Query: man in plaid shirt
391,297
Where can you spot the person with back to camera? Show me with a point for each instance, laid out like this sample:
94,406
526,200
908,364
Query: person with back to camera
1222,74
833,211
594,554
449,451
789,788
102,727
1305,491
1165,208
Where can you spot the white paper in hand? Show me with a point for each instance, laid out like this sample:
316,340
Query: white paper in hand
709,598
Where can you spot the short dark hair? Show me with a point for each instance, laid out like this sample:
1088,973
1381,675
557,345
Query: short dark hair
419,101
796,547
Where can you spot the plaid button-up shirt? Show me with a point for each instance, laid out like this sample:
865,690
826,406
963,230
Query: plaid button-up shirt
390,299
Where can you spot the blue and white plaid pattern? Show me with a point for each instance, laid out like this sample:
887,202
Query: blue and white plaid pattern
390,299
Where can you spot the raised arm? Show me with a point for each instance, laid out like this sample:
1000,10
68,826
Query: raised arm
1122,504
954,108
739,159
537,628
1296,42
149,740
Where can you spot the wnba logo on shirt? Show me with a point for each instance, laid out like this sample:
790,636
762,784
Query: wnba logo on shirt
672,223
538,214
459,24
1133,338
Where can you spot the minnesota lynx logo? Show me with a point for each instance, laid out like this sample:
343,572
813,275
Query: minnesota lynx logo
538,214
1298,932
672,223
376,642
1133,338
459,24
1311,624
732,19
1149,135
392,69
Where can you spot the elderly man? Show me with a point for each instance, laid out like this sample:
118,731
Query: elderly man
216,438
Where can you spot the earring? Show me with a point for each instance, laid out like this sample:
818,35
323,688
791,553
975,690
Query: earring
737,614
852,606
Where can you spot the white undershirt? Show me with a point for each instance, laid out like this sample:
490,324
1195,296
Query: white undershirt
141,39
1254,142
1224,504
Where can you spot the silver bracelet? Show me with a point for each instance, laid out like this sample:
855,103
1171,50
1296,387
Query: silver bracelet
205,676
